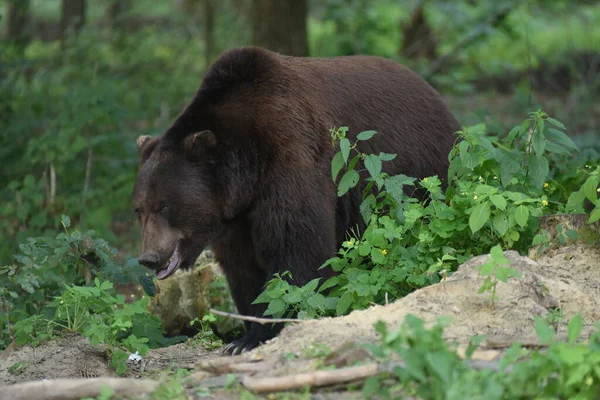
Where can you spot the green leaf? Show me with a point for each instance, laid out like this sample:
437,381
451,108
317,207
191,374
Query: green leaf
366,135
148,285
575,202
373,165
329,283
65,221
561,139
337,163
514,132
312,285
538,169
344,304
500,223
499,201
479,216
538,142
386,156
345,148
544,332
276,307
556,123
589,188
348,181
574,328
522,215
595,215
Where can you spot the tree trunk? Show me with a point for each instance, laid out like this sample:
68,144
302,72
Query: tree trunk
419,40
18,18
209,27
280,25
72,15
117,13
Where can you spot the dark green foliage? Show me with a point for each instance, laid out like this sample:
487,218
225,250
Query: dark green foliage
499,187
433,370
45,266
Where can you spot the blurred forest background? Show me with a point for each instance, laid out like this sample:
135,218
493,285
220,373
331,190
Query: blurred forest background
80,80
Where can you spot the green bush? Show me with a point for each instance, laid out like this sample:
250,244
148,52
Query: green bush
432,369
498,188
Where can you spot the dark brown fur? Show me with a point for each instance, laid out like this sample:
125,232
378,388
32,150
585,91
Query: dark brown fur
256,185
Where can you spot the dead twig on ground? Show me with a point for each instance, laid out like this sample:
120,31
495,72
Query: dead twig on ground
261,321
66,389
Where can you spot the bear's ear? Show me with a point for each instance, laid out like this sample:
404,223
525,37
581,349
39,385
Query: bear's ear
146,145
199,145
142,140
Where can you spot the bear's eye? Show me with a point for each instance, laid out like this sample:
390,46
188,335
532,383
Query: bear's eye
137,212
164,210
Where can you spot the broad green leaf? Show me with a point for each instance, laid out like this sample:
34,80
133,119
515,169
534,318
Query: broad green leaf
575,202
561,139
538,169
386,156
595,215
500,223
556,123
348,181
366,135
485,189
312,285
65,220
574,328
499,201
329,283
514,132
276,307
589,188
344,304
544,332
148,285
479,216
373,165
345,149
337,163
538,142
522,215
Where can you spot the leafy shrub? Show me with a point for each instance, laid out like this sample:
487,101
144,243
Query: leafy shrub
99,315
46,265
432,369
498,189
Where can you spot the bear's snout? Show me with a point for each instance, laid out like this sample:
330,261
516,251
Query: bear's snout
149,260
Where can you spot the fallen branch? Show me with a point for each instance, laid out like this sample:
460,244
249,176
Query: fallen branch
318,378
337,376
66,389
261,321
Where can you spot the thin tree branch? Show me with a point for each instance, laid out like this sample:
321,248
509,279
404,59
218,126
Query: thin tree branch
248,318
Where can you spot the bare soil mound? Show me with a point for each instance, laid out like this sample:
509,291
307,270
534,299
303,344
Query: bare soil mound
563,281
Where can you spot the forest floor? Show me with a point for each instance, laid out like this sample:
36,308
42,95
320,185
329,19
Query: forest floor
565,279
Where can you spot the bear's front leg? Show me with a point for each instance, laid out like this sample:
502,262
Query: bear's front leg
290,233
257,334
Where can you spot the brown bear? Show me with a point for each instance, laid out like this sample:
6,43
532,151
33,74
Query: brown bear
246,166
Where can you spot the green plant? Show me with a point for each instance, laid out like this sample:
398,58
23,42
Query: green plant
44,266
432,369
494,271
590,190
172,388
497,190
99,315
285,299
206,337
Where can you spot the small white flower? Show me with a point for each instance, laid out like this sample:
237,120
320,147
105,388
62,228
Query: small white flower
134,357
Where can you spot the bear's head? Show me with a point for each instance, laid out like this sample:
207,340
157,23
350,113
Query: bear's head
177,200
